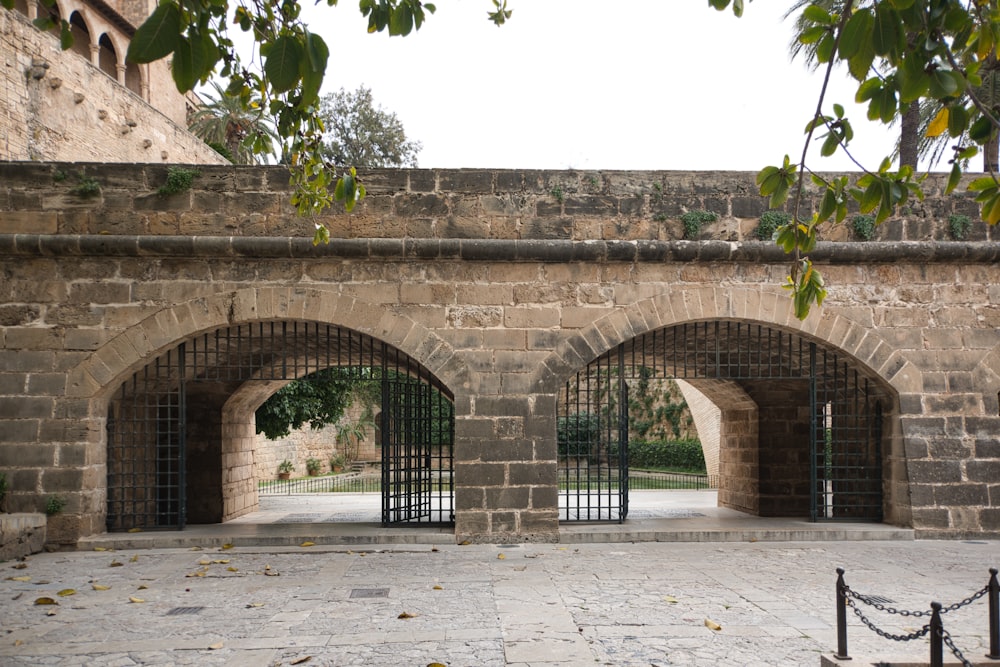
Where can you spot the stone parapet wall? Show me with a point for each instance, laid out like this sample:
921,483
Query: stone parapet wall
431,204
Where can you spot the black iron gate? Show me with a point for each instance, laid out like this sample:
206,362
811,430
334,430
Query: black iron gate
417,434
147,427
843,473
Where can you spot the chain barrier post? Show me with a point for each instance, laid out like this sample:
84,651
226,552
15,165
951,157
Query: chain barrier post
994,605
841,617
937,636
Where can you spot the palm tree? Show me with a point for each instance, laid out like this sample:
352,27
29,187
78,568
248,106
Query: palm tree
228,123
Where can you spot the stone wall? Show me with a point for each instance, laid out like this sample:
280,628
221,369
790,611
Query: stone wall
56,105
502,291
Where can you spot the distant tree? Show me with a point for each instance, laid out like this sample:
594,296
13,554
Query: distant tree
238,126
361,134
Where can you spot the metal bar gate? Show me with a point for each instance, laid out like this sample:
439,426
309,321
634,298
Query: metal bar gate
842,459
147,425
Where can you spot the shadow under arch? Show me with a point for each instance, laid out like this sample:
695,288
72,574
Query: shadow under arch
810,431
191,332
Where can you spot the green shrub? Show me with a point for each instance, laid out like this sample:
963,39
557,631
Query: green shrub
769,223
87,187
693,220
54,505
958,226
678,454
864,227
179,179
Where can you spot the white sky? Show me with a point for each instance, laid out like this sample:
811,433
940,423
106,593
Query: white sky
595,84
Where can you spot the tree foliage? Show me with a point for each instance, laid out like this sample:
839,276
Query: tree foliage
361,134
900,52
234,123
318,399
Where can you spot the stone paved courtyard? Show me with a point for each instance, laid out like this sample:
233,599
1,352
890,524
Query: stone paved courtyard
535,604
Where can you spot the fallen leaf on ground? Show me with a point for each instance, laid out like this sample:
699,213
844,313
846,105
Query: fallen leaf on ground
45,600
204,561
308,544
712,625
232,569
299,661
437,664
134,559
135,530
438,588
20,566
142,587
66,592
500,557
226,546
101,587
670,598
255,605
221,561
50,612
100,549
215,646
24,578
406,615
115,563
135,599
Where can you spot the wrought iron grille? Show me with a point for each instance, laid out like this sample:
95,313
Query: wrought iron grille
844,477
147,421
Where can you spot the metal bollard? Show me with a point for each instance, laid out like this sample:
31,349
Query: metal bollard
937,641
841,617
994,605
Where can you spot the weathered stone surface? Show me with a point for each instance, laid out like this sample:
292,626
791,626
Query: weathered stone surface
21,535
502,291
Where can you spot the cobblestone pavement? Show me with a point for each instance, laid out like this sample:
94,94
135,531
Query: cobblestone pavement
739,603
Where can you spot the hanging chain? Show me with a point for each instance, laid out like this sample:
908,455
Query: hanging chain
946,638
882,633
904,612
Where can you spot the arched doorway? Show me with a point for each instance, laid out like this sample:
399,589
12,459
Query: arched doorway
801,431
180,443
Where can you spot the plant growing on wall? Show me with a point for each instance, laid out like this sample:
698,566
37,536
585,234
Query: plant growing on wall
769,224
179,179
693,222
958,226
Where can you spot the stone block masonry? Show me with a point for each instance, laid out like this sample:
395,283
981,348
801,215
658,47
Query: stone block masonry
503,292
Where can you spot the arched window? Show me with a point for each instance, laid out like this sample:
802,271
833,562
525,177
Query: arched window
133,78
81,35
108,59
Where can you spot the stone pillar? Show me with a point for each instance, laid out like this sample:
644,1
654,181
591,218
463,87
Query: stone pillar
505,469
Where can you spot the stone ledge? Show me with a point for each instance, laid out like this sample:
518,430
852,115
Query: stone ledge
526,250
21,535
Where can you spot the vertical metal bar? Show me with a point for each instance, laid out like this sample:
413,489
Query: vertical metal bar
813,408
841,617
993,601
181,438
936,633
622,437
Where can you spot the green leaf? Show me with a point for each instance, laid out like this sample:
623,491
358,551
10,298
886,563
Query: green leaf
194,59
401,20
817,14
981,130
856,32
65,36
886,33
158,36
283,63
944,84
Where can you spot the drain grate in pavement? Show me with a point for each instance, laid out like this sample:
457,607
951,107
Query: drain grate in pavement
878,599
369,592
184,611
